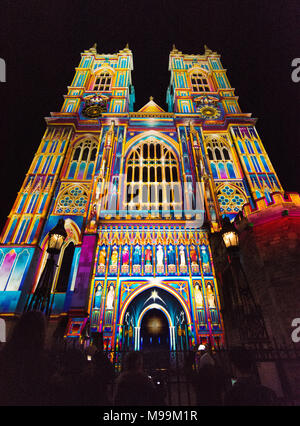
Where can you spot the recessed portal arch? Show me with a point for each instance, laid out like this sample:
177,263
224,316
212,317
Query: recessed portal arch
170,315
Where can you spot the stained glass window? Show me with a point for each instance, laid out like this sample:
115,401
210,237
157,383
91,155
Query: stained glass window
222,166
83,159
103,82
152,177
199,82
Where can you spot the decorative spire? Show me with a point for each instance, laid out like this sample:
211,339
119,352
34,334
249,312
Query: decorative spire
208,51
38,185
28,186
174,50
93,49
151,98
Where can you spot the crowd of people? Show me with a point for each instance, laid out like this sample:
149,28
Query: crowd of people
30,374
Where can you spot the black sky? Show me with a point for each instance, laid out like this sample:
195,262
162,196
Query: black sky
41,42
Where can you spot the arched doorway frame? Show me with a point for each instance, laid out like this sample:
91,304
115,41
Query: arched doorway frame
164,286
161,285
137,337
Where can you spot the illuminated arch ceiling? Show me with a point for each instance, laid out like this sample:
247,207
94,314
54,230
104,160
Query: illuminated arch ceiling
157,285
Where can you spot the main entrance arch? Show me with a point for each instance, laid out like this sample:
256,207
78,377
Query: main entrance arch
154,318
155,330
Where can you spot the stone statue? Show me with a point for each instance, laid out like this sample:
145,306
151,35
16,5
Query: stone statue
205,260
98,295
136,257
160,256
198,297
114,256
182,256
110,297
171,255
102,256
210,296
125,256
148,255
193,255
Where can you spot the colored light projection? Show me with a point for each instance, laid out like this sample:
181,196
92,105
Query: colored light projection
135,189
14,264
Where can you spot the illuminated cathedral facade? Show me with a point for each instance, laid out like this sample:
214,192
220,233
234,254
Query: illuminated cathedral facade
140,192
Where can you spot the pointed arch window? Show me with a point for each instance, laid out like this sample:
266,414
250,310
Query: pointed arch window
222,164
103,82
153,176
82,160
199,82
262,159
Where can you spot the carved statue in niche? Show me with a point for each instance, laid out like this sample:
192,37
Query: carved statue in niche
102,256
114,257
198,296
182,256
193,255
171,255
110,297
136,257
160,256
125,256
148,255
210,296
98,295
205,260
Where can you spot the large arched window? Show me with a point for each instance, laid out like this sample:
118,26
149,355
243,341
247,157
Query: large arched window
199,82
153,179
66,261
222,164
103,82
82,160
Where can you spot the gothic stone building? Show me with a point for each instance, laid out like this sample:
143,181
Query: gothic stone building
141,193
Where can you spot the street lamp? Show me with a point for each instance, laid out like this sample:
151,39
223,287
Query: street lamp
57,236
40,300
245,310
230,235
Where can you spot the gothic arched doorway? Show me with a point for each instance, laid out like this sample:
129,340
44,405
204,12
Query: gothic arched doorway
155,320
154,332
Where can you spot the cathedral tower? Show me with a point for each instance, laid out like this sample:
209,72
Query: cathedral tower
139,192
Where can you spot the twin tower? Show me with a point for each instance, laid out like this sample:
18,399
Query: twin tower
140,193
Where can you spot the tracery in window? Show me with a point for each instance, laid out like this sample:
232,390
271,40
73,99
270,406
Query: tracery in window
222,165
152,178
103,82
199,82
83,159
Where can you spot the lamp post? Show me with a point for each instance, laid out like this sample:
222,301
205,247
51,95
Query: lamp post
40,300
247,314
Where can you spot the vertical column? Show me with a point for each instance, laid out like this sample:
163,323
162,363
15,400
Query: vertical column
80,296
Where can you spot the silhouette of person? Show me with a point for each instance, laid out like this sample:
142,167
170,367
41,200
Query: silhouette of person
102,376
134,387
246,390
69,384
209,381
24,366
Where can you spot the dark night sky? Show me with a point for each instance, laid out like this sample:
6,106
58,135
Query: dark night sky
41,42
